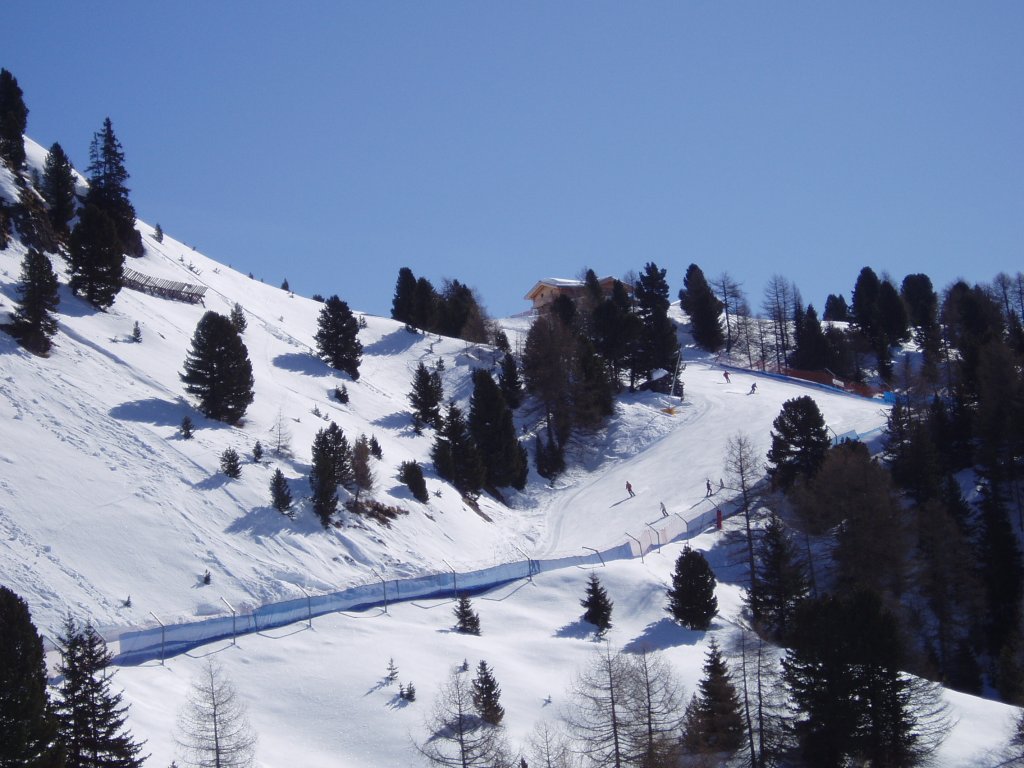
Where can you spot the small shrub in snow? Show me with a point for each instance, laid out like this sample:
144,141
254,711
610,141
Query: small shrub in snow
187,428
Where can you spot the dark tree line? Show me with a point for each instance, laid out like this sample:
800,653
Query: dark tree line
453,311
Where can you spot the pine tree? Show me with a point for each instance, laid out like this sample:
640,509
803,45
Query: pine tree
107,190
490,425
218,371
375,450
781,582
691,599
799,441
510,382
410,473
136,333
704,308
323,477
93,721
58,190
337,339
280,493
425,397
598,607
257,452
658,344
836,309
362,472
392,673
230,463
187,428
237,318
713,721
455,455
405,296
33,323
158,234
13,120
95,258
466,619
28,726
487,695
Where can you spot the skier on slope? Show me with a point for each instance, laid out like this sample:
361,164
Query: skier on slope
629,489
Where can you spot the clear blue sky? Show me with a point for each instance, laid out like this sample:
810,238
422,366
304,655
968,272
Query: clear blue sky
334,142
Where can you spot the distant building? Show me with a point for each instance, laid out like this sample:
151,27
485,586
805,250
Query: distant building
550,288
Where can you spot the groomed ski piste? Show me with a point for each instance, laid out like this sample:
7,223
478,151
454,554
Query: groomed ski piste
106,513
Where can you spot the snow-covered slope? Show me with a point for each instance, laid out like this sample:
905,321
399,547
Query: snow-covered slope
101,499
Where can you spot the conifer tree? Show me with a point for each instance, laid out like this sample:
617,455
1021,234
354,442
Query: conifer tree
230,463
657,343
362,472
487,695
704,308
237,318
107,189
13,120
218,371
280,493
323,478
33,323
95,258
187,428
455,455
598,608
781,582
58,189
375,450
490,425
799,441
510,382
337,339
93,721
405,296
691,598
425,397
28,726
158,233
466,619
615,330
836,308
713,721
411,473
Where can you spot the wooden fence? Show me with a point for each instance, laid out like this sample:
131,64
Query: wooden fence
168,289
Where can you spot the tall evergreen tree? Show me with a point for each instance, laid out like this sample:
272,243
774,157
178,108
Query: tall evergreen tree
921,301
411,473
510,382
704,308
13,120
425,397
490,425
237,318
455,455
33,323
799,441
362,473
28,726
836,309
658,343
781,581
598,608
713,722
108,190
615,329
337,339
218,370
58,189
424,305
691,598
811,352
95,258
405,297
323,479
280,493
230,463
93,721
487,695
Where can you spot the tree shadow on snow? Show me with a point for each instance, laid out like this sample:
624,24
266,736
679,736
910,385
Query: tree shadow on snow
260,521
303,362
153,410
218,480
393,343
399,420
577,630
662,634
